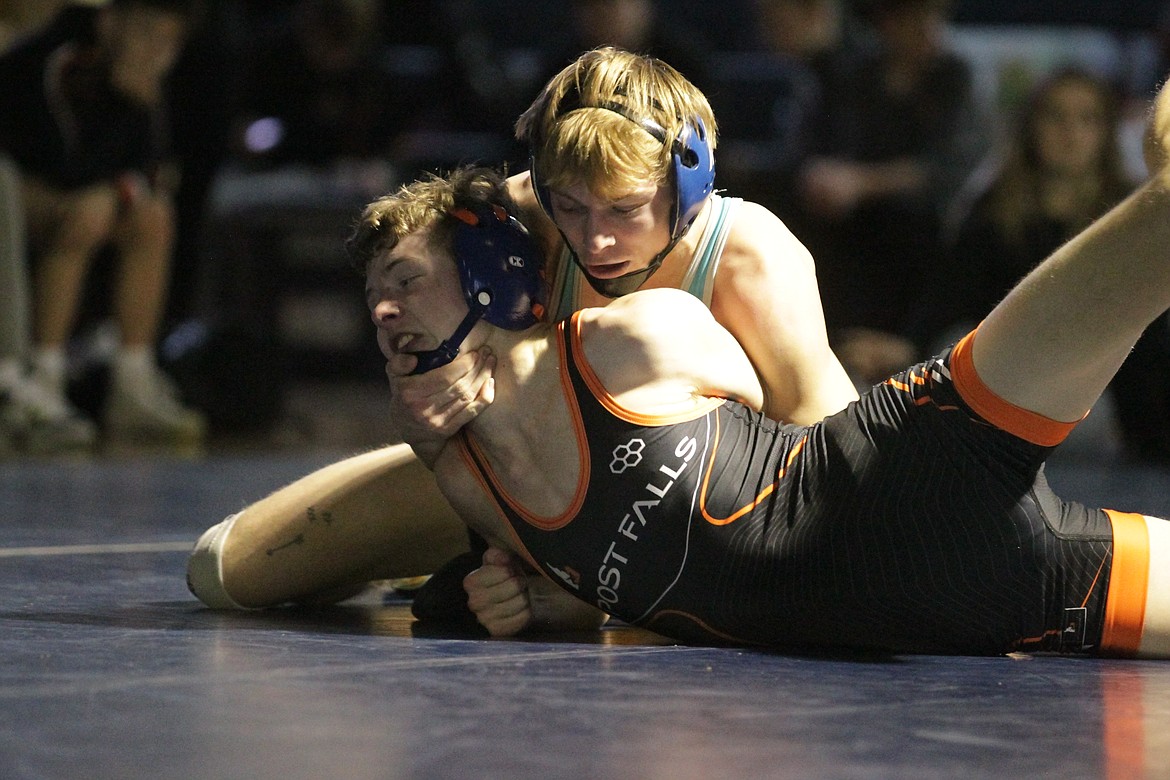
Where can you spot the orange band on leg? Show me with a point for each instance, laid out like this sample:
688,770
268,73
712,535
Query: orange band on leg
1027,425
1125,603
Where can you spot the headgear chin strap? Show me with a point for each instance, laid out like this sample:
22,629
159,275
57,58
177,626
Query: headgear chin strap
694,180
449,349
500,269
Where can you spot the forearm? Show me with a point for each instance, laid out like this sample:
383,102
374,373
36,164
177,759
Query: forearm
426,410
427,449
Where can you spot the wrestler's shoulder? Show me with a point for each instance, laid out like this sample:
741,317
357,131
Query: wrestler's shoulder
644,315
758,237
645,303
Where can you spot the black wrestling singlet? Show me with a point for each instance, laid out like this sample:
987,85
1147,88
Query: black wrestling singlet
904,522
625,545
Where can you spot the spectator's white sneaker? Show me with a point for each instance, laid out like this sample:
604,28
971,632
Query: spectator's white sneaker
145,409
38,420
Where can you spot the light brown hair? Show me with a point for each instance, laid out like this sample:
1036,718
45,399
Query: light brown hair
420,205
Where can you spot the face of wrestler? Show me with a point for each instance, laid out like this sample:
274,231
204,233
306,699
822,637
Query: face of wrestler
614,237
414,296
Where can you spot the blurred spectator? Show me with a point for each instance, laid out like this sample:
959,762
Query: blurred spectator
639,26
315,120
315,93
501,54
19,18
903,131
81,115
335,94
203,96
771,97
1062,169
29,422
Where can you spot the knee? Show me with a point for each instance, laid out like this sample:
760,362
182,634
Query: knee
88,221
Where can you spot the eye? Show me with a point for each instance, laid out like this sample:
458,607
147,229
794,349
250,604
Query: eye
629,210
406,274
567,207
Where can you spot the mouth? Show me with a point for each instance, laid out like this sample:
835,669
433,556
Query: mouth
405,344
607,270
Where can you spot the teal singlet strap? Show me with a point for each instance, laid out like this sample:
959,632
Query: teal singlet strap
563,294
699,279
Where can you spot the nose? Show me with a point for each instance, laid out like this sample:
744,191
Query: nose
384,311
598,236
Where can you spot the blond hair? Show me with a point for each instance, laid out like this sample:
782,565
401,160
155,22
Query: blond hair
586,124
421,205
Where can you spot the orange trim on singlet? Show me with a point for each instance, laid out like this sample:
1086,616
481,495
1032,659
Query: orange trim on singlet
1129,574
1035,640
754,502
916,379
565,517
697,622
469,462
610,403
1093,584
1027,425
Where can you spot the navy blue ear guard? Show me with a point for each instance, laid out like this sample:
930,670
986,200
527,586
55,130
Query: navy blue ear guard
500,268
694,180
694,175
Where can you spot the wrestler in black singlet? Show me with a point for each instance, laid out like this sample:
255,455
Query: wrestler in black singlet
904,522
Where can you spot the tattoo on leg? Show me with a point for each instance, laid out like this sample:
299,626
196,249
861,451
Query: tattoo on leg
298,539
314,515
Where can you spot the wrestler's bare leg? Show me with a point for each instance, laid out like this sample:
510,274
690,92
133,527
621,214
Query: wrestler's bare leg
1059,337
1054,343
374,516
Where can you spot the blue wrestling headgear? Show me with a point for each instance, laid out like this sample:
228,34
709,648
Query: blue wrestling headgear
694,180
500,268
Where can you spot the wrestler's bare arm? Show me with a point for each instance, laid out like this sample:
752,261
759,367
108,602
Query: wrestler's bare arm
661,352
766,295
505,596
427,409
